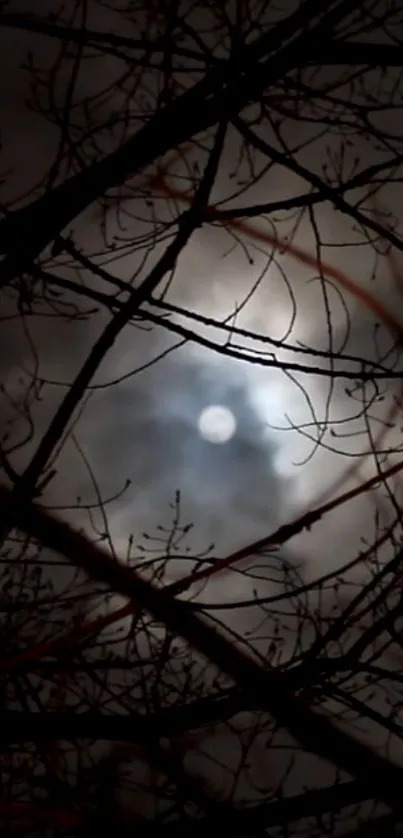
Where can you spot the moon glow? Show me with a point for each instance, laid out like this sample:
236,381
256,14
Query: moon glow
217,424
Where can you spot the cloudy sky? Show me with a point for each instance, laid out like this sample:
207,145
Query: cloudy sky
145,426
293,435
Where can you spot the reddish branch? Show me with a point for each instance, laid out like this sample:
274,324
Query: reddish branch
276,539
312,730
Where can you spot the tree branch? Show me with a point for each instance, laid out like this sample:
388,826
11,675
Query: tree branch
312,730
223,91
328,192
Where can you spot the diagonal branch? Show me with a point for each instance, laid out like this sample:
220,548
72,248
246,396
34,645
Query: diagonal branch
312,730
310,199
188,222
223,91
252,820
337,52
328,192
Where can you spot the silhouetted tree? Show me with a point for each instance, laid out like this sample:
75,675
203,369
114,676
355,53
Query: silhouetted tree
177,691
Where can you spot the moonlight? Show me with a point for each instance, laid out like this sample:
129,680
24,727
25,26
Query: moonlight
217,424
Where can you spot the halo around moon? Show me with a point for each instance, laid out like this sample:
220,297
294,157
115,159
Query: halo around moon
217,424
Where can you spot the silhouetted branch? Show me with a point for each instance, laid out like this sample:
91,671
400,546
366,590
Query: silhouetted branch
313,731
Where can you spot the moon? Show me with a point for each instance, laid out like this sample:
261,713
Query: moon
217,424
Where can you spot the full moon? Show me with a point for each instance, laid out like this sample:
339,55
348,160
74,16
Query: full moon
217,424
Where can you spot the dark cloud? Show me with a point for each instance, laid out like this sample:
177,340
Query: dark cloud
150,433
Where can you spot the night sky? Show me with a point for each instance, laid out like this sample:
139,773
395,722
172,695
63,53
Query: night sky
138,431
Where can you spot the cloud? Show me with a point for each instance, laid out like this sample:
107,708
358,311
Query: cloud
296,435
